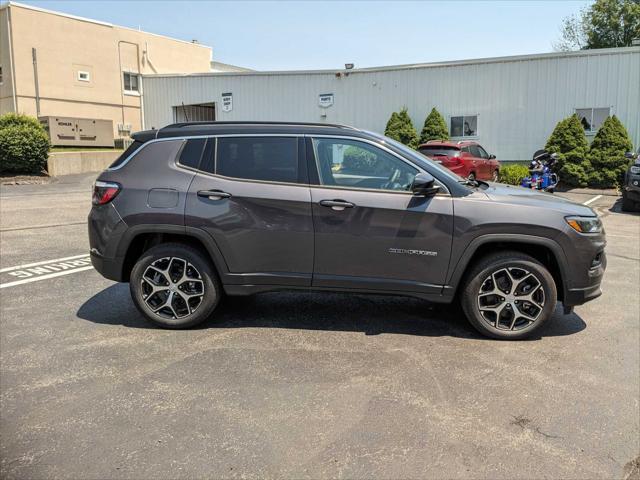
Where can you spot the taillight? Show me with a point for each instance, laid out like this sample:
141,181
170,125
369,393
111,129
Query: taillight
104,192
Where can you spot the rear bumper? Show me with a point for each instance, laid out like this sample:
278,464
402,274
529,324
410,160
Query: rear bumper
110,268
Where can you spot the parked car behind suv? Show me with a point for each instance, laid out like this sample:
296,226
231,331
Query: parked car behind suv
631,184
466,158
194,211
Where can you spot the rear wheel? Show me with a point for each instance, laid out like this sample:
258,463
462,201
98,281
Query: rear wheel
174,286
508,295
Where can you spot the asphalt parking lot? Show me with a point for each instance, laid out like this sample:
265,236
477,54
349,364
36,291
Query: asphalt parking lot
300,385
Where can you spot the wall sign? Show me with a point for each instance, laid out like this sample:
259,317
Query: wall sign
227,102
325,100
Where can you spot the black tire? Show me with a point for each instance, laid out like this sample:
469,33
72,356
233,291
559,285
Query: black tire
515,262
627,204
199,279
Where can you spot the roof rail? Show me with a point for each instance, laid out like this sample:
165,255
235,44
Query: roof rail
249,122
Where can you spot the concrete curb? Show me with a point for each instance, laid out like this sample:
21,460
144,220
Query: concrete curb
67,163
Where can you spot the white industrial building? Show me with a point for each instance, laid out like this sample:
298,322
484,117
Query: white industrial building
509,104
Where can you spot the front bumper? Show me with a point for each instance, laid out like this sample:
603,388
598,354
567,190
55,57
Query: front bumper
579,295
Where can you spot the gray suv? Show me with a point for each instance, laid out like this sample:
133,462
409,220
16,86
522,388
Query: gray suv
194,211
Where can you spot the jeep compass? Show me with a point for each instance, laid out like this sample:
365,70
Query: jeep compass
194,211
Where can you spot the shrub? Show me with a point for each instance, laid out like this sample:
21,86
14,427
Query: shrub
400,128
358,160
513,174
24,144
570,143
607,154
435,128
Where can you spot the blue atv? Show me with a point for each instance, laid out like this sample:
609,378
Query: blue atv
540,175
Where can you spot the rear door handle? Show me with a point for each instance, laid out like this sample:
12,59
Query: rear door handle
337,205
213,194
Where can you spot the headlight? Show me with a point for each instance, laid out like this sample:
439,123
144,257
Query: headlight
585,224
635,170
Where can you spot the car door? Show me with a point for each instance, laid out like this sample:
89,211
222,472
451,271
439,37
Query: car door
370,231
481,164
252,197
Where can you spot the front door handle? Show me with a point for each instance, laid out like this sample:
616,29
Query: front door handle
337,205
213,194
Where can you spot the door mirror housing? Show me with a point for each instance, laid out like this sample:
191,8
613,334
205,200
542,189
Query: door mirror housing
424,185
492,157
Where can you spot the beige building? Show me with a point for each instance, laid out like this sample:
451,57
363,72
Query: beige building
53,64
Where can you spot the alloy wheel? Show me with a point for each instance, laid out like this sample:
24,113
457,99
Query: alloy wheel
511,298
172,288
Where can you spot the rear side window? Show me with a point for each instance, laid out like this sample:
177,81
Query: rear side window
272,159
439,151
192,152
130,149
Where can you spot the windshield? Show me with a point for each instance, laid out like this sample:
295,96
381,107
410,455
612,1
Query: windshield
418,158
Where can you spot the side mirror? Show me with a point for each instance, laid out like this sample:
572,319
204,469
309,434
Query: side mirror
630,155
424,185
492,157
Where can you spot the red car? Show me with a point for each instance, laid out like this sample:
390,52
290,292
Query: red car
467,158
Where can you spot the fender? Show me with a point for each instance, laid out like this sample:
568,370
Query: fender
456,273
208,241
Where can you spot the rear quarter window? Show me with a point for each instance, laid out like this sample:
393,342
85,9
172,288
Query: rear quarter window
126,154
192,152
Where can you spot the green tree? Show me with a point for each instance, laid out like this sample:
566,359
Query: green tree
605,24
435,128
606,155
570,143
24,144
400,128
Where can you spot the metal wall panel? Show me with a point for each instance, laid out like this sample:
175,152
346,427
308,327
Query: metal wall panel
518,100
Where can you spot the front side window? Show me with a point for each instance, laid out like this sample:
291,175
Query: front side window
483,153
271,159
465,126
350,163
592,118
130,81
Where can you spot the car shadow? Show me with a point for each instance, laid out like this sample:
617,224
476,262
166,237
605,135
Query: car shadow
617,208
369,314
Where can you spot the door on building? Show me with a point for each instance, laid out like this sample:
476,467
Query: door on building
196,112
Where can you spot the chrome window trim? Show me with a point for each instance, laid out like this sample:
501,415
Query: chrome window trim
443,187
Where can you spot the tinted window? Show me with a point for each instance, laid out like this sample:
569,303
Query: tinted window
130,149
483,152
349,163
273,159
439,151
475,151
208,157
191,152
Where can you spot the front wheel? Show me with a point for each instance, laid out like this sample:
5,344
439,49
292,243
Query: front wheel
508,295
174,286
628,205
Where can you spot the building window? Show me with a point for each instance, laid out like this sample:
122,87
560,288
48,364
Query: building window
592,118
466,126
130,82
84,76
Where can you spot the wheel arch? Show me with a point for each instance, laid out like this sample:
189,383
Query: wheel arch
546,251
139,239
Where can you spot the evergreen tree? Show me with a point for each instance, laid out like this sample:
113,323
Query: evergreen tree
400,128
434,127
607,154
570,143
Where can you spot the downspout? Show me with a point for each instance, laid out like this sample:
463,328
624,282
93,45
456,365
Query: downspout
34,56
11,64
122,76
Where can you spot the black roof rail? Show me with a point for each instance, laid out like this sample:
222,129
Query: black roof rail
239,122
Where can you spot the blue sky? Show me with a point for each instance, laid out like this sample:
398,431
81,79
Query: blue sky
317,35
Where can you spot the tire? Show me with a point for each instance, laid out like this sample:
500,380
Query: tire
496,176
192,287
627,204
536,296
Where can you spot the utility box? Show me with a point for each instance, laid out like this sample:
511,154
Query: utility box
78,132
